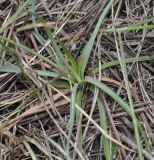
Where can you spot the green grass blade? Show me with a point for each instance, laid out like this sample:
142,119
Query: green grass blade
12,68
109,91
72,117
60,84
9,67
60,56
125,75
128,60
118,99
46,46
146,20
129,28
136,26
103,124
69,56
79,97
49,74
85,54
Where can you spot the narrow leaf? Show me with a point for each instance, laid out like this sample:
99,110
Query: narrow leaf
85,54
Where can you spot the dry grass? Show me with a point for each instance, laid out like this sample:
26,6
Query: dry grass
34,115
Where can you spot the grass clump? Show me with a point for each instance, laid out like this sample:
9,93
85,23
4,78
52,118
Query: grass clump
65,74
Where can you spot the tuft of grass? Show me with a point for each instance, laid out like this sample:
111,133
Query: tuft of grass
71,75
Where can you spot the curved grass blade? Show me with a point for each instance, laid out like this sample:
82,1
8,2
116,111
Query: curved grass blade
69,56
46,46
110,92
103,123
60,56
85,54
128,60
12,68
118,99
9,67
51,39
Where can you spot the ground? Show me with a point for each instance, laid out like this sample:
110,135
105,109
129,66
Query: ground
76,79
